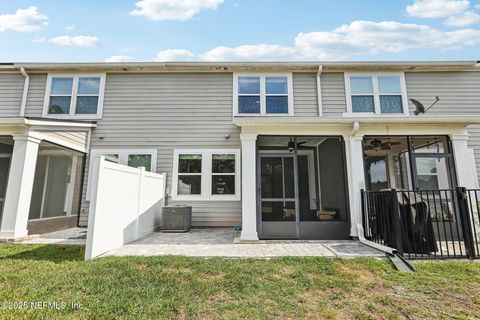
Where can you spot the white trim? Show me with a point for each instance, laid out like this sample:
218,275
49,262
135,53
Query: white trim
44,188
376,94
263,94
123,154
71,185
206,176
74,94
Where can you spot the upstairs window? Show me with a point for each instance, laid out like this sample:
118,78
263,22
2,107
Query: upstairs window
376,94
256,95
76,96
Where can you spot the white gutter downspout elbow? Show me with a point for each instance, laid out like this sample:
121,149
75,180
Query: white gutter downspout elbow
319,91
25,91
356,127
359,226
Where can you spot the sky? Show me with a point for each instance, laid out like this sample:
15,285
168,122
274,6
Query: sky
238,30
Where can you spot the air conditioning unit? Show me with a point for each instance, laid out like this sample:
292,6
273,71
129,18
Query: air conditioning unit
176,219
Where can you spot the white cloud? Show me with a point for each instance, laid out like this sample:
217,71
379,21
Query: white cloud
173,9
455,12
174,55
119,58
78,41
437,8
39,39
356,38
24,20
70,27
464,19
251,52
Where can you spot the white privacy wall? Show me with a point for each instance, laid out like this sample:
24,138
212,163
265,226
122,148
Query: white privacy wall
126,204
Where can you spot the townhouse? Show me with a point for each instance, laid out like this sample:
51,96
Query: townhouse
284,148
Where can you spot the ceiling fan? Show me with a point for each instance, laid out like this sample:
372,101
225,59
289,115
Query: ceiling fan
291,144
377,144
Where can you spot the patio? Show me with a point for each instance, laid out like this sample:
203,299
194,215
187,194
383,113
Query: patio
71,236
223,242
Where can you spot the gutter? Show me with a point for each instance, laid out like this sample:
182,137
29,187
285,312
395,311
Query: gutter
379,120
26,85
233,66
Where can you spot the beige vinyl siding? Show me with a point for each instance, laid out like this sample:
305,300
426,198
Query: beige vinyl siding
36,95
11,91
333,94
305,97
459,92
474,142
168,111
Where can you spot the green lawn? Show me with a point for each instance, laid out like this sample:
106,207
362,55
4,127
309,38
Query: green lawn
179,287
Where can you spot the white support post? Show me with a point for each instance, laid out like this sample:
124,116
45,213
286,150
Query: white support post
462,160
19,187
356,179
249,188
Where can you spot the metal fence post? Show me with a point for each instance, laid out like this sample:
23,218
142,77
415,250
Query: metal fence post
364,213
396,220
465,221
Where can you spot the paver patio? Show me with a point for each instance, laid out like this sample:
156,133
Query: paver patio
221,242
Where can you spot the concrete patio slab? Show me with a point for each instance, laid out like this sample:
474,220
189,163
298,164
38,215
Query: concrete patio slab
219,242
71,236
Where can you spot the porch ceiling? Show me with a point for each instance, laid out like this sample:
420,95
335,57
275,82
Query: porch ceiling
74,135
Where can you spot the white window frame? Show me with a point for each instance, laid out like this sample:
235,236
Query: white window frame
122,159
263,94
206,180
73,100
376,94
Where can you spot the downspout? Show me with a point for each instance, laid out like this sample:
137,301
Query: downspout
355,128
25,91
319,91
359,226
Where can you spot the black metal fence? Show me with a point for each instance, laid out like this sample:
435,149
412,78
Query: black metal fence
424,224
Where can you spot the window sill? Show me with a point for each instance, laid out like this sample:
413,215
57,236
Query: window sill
73,117
371,114
263,115
208,198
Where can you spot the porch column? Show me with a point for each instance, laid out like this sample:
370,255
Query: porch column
356,179
462,160
19,187
249,188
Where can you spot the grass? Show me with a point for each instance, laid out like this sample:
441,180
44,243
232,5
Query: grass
181,287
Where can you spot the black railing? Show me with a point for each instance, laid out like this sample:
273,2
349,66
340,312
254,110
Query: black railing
424,224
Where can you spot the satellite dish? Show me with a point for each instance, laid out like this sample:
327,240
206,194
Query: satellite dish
420,108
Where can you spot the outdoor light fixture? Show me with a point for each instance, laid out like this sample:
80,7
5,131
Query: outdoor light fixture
420,107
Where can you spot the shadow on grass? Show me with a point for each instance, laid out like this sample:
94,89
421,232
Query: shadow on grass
53,253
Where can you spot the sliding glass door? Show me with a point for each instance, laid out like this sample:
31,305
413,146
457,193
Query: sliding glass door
52,182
